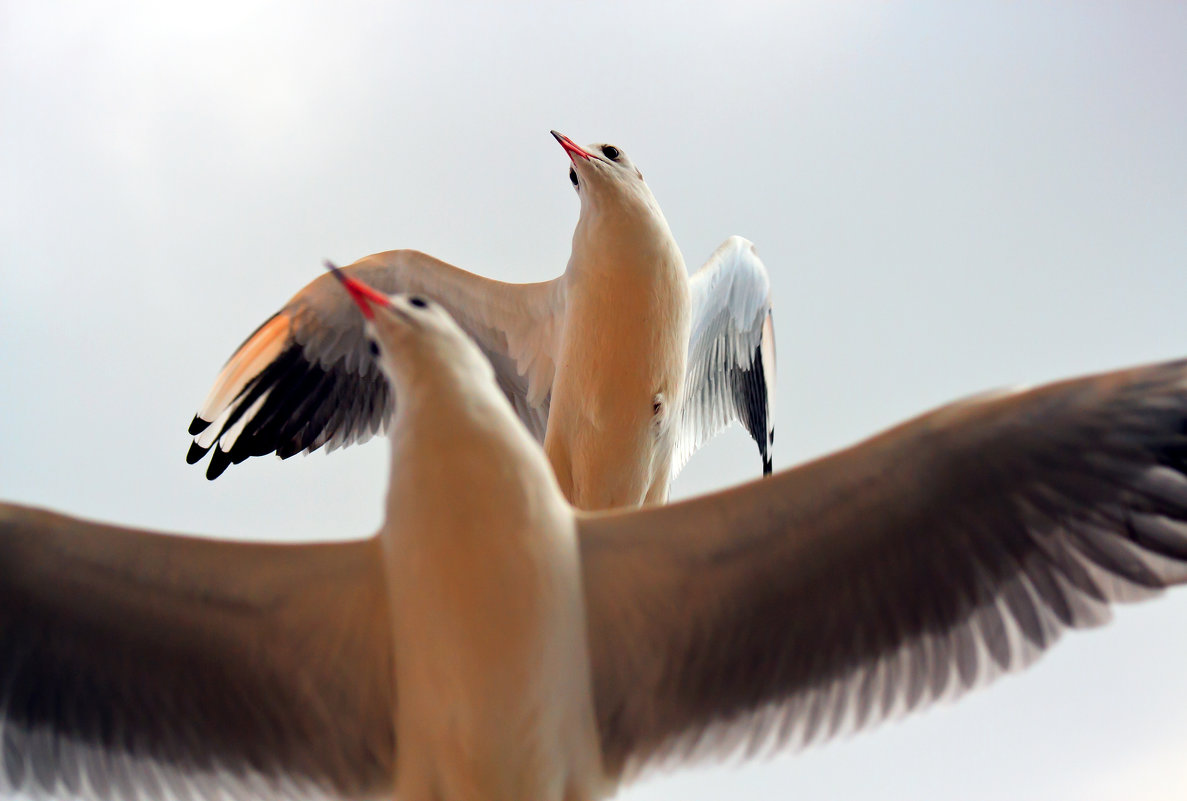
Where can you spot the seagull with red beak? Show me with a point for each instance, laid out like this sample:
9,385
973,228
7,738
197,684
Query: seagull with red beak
621,367
491,642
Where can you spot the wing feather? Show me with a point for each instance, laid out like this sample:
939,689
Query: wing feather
731,353
306,379
908,569
138,665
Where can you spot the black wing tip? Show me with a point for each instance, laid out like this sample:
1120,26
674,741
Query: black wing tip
197,426
195,453
220,460
768,465
304,408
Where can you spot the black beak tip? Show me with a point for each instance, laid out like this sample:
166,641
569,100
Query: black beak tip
335,270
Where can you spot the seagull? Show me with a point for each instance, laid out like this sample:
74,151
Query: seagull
493,642
622,367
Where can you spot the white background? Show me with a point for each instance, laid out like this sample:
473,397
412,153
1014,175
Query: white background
949,197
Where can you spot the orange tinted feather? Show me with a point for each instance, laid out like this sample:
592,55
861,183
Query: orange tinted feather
254,355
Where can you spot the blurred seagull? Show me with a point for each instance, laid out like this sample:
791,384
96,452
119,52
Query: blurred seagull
622,366
490,642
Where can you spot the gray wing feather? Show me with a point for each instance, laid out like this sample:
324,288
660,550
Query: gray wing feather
905,570
136,665
731,353
306,379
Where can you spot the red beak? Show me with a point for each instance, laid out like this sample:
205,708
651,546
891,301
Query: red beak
360,293
571,147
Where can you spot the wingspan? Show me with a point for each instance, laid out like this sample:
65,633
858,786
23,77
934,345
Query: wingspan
907,569
731,353
306,379
142,665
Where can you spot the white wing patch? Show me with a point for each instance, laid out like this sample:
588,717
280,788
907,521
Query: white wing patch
731,353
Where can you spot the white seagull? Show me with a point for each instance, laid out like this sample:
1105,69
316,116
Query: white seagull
490,642
622,366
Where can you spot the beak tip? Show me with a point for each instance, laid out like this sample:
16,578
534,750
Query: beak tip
570,147
333,268
362,294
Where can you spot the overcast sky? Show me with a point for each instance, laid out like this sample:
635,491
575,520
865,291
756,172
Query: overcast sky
949,197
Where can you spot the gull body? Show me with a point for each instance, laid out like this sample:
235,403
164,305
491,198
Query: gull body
499,703
621,367
613,424
492,642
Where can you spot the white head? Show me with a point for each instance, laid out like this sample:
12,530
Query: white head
447,397
415,338
600,169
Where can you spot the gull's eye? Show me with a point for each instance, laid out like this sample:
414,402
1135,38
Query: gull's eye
611,152
373,346
418,301
573,176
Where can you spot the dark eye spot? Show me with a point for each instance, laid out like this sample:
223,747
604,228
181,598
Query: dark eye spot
573,176
611,152
418,301
373,346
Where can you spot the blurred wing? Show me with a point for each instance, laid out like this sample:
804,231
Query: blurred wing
731,353
306,377
906,569
140,665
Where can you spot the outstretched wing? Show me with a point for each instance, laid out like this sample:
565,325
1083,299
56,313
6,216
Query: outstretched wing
306,378
140,665
731,353
909,568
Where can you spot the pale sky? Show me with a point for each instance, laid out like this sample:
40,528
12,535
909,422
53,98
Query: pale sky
949,197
